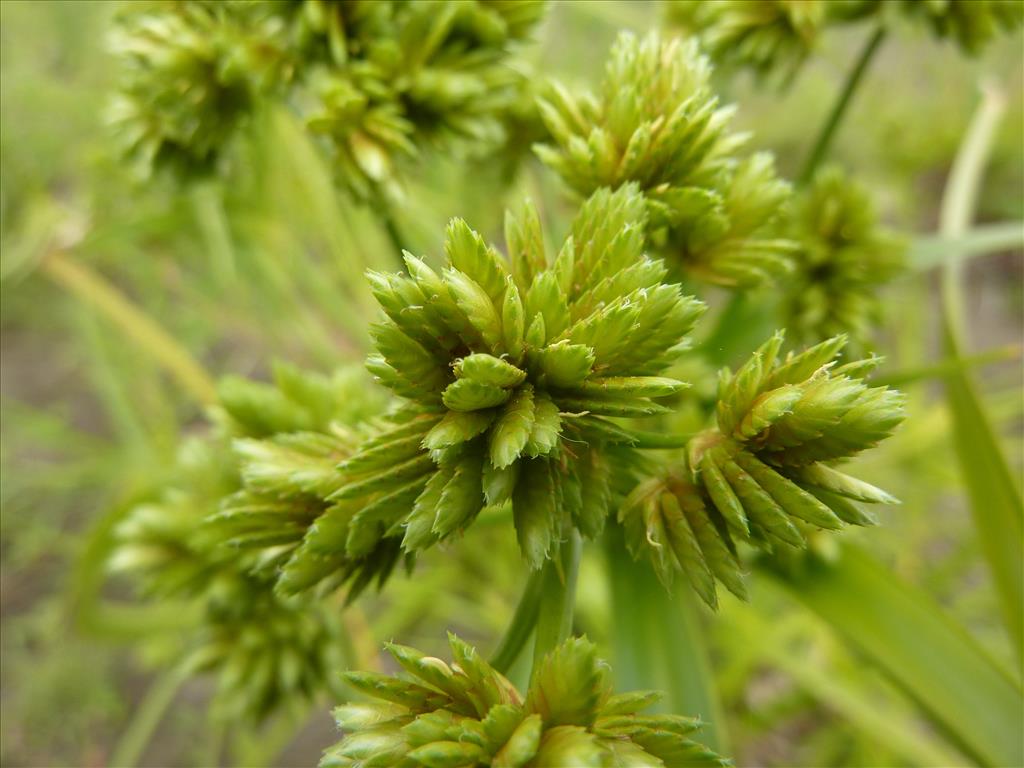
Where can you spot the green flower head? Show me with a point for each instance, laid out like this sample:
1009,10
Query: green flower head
265,652
973,24
512,369
765,471
375,82
467,714
845,259
192,71
656,123
765,35
266,649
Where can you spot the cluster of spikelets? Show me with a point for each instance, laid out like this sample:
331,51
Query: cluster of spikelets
511,370
266,650
768,36
776,36
764,473
192,73
376,80
510,373
656,122
288,477
467,714
845,258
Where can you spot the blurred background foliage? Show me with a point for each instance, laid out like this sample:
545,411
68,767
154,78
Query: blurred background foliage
266,264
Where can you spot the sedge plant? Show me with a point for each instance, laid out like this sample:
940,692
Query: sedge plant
536,386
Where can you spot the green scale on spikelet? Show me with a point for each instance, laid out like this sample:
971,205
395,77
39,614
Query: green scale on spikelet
765,471
513,371
657,123
467,714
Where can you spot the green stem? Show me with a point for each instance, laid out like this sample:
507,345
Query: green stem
387,218
213,746
947,367
653,440
523,622
554,617
148,715
958,203
986,239
208,208
835,117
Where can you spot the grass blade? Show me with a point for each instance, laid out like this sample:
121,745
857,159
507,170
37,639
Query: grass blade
903,631
996,502
658,643
855,703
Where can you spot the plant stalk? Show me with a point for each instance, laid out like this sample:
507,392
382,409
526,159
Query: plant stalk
386,216
147,717
655,440
835,117
554,617
947,367
153,340
958,203
522,625
996,502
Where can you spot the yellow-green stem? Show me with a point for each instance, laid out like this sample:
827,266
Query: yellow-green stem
148,716
136,325
522,625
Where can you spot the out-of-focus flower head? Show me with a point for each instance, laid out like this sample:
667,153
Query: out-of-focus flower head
656,123
972,24
466,713
845,259
768,36
192,74
765,470
265,649
377,81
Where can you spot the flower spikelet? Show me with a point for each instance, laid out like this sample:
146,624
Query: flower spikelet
466,713
657,123
766,470
516,369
